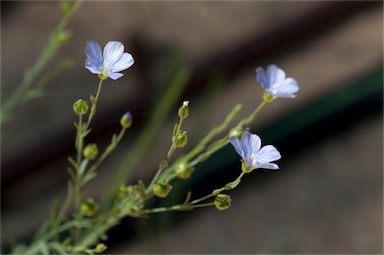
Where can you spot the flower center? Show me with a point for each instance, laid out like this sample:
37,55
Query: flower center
105,70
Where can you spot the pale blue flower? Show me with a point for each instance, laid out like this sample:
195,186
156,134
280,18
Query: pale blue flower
275,82
254,156
110,63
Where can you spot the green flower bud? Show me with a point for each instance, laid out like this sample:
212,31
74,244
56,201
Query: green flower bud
135,210
245,168
161,188
126,120
181,139
100,247
267,97
89,207
123,192
90,151
235,132
184,110
80,107
183,170
222,201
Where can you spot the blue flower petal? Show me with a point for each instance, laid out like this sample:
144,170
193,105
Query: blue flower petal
251,143
112,53
115,76
94,58
262,78
268,153
271,166
290,87
237,145
92,67
275,75
124,62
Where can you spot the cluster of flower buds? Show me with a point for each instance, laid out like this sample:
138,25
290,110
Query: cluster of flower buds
129,199
179,137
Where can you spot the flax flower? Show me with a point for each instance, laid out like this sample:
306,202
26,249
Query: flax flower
275,83
110,63
253,155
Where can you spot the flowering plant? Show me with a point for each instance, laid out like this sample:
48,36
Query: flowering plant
79,225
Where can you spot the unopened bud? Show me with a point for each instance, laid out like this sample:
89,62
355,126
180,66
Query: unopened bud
222,201
183,170
235,132
123,192
89,207
181,139
100,247
161,188
184,110
80,107
90,151
126,120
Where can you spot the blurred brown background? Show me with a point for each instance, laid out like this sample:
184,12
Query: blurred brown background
328,195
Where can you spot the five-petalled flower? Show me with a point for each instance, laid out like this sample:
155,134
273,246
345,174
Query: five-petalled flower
110,63
275,83
253,155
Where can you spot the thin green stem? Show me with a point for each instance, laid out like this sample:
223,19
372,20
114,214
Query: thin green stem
251,117
181,207
79,140
94,104
107,151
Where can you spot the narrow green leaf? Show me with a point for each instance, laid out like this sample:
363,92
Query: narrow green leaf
142,188
55,210
83,166
57,247
93,99
71,173
88,176
188,198
32,94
